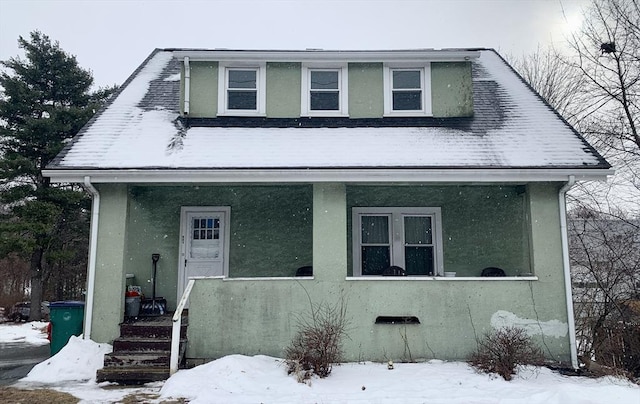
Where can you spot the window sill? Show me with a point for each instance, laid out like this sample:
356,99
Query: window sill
256,278
407,114
335,114
441,278
270,278
229,113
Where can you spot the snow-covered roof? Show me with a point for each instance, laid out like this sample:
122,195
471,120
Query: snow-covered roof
512,129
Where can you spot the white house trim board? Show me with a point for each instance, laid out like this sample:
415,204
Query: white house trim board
296,175
226,55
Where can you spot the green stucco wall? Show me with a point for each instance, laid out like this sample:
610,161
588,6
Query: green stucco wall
365,90
203,99
283,90
108,302
451,89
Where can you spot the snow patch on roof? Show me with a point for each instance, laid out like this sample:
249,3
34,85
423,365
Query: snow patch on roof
520,130
173,77
124,128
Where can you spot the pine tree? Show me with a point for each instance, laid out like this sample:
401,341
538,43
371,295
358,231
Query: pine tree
46,99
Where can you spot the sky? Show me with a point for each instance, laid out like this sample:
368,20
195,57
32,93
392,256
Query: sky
244,379
112,37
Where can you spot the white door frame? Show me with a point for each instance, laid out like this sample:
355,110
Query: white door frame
184,226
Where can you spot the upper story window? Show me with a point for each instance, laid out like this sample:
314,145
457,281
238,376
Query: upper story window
324,91
241,90
409,238
407,91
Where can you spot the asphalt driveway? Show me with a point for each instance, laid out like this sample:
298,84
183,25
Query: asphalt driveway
18,358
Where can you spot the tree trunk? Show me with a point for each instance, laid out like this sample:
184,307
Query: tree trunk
36,284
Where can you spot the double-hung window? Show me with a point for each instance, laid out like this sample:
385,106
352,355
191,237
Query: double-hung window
410,238
324,91
407,91
241,90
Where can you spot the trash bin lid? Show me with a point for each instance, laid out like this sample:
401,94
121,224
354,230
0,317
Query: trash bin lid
66,304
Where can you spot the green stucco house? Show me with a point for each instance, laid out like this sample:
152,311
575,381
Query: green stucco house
388,179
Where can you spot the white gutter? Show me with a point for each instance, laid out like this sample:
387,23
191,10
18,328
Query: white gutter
567,270
93,245
187,84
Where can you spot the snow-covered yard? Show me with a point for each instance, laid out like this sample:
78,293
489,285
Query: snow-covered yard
243,379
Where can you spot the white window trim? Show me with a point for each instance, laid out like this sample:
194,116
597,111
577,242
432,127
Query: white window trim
397,245
425,77
261,89
343,86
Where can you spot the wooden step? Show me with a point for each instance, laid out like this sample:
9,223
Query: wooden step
151,329
137,358
142,352
143,344
132,374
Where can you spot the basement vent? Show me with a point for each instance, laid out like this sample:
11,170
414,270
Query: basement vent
397,320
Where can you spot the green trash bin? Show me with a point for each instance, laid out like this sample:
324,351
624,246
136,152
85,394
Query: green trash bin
66,320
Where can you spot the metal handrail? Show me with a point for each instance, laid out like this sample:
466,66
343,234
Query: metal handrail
175,330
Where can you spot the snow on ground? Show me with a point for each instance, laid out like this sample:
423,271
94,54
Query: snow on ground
242,379
78,360
34,333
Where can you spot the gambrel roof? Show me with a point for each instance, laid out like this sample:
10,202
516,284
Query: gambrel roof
513,134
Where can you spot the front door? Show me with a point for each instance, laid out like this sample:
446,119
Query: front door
204,243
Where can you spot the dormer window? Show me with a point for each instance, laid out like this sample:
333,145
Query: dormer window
324,91
407,91
241,90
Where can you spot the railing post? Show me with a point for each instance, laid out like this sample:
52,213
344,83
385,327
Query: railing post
175,329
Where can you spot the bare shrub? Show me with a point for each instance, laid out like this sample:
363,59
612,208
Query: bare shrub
317,345
503,350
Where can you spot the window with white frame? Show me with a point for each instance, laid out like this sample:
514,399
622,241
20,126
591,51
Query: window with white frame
324,91
409,237
241,90
407,91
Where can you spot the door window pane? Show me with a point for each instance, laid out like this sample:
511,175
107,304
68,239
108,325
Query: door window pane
205,242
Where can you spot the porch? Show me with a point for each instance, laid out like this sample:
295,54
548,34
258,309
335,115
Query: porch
276,229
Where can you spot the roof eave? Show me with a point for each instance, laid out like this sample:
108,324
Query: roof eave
312,175
222,55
